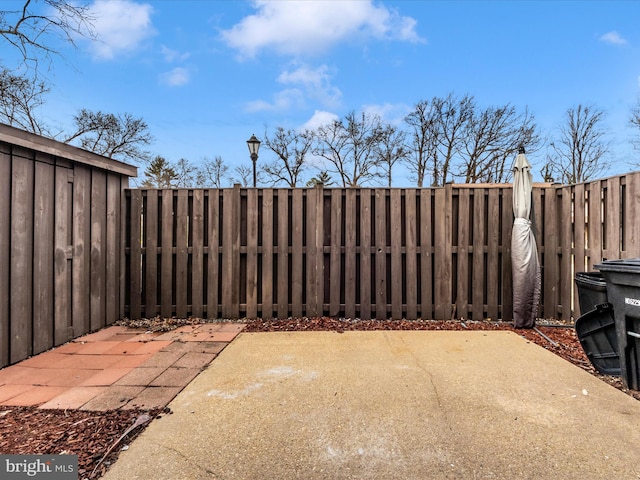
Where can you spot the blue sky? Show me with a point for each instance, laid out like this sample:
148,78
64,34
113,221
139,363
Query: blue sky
205,75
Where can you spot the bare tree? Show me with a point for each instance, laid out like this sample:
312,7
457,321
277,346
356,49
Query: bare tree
391,148
492,137
579,151
291,148
114,136
160,174
422,122
634,121
186,174
350,146
243,175
213,172
20,98
36,27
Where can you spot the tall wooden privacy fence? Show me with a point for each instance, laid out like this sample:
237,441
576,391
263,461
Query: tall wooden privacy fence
61,259
368,253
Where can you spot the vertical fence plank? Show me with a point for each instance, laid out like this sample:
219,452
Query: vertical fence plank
631,225
411,259
81,272
135,252
182,253
62,257
43,243
335,256
167,254
427,227
5,250
462,283
396,273
21,269
566,246
442,255
267,254
252,253
579,242
506,273
197,254
283,253
595,223
297,253
381,253
150,224
213,255
98,261
365,254
113,249
478,280
350,254
550,265
612,219
493,258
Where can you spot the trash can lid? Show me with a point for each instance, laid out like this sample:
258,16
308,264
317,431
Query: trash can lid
631,265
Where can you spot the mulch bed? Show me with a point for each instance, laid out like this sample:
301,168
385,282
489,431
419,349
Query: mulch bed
91,435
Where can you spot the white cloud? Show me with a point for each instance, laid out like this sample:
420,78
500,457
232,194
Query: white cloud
613,38
175,78
302,27
173,55
316,83
319,119
120,26
283,100
389,112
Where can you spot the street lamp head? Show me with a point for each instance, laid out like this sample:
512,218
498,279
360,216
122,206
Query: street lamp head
254,145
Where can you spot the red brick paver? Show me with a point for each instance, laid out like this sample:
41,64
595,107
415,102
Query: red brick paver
116,367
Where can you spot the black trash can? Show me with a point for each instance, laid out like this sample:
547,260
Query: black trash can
623,291
596,331
592,290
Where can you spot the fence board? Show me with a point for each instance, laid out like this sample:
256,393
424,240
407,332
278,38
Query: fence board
213,255
197,255
411,259
135,256
506,293
426,255
98,237
335,255
566,259
43,236
443,253
631,225
612,218
478,283
550,264
283,253
168,222
81,272
297,253
182,253
252,254
113,249
365,254
151,230
494,256
63,331
381,253
396,274
462,225
267,254
595,223
21,269
5,251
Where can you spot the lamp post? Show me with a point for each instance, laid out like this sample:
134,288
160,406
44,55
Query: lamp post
254,145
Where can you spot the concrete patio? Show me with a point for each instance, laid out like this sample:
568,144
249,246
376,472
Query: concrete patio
389,405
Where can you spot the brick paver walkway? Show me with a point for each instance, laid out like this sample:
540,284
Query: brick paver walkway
115,368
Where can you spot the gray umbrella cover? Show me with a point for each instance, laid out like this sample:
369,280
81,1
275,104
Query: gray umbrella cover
524,252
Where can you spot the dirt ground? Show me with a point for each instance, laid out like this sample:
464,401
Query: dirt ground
97,437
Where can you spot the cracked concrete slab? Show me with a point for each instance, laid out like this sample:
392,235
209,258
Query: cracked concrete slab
392,405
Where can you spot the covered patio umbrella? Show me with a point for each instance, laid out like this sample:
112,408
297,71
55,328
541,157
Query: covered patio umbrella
524,252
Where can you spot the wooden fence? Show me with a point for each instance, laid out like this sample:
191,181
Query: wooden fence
61,261
365,253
